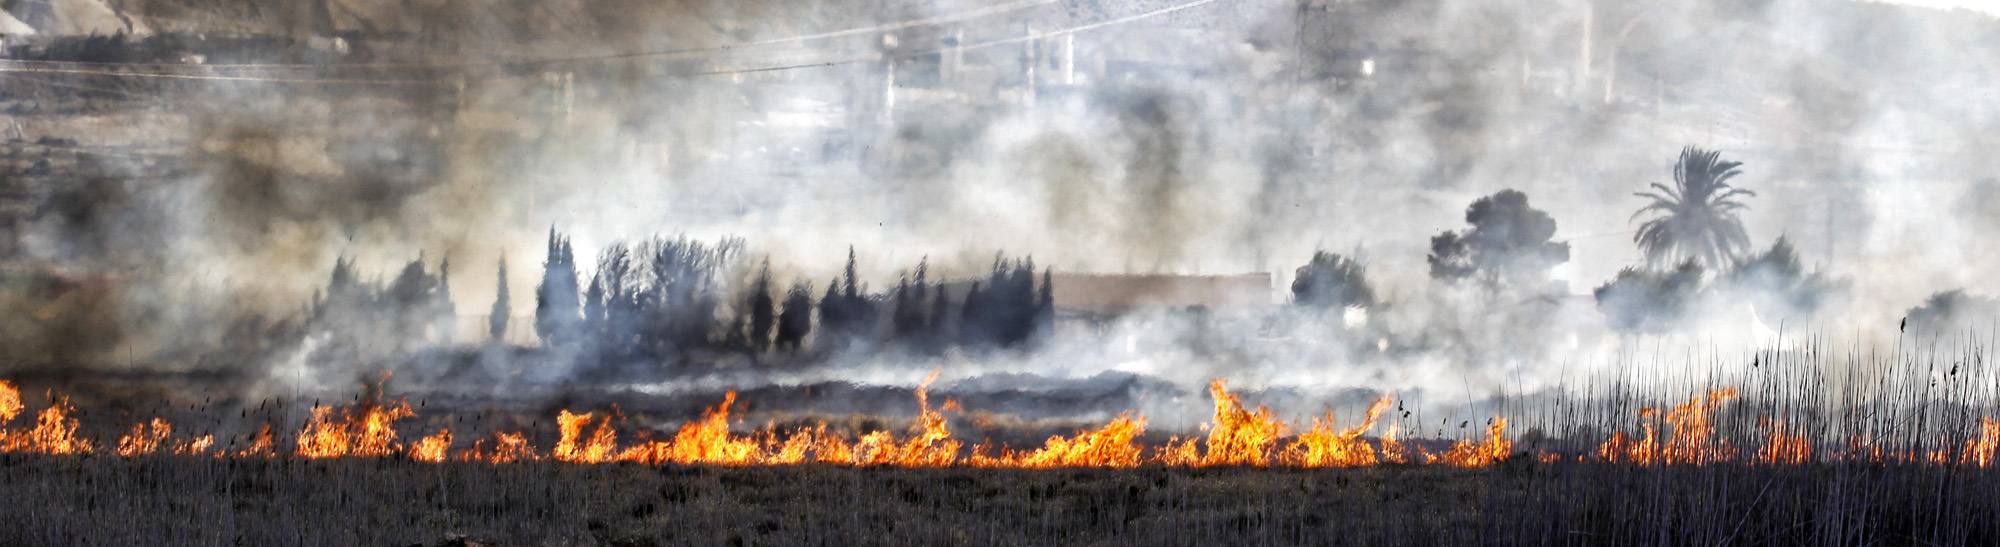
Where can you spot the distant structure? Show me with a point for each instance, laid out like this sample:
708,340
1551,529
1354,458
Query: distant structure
1094,298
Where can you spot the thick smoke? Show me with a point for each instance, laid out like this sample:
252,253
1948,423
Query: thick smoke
1235,136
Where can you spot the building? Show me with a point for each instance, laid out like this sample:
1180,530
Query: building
1093,296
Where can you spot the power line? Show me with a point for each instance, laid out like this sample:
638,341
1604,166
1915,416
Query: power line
682,52
981,45
4,68
214,77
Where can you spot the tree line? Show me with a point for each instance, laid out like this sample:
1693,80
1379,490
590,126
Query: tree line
666,297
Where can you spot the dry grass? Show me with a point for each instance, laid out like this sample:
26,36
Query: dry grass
180,501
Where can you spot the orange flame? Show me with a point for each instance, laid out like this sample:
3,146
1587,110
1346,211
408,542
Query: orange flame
1467,453
703,441
366,430
1107,446
1981,451
504,448
575,446
1783,447
10,402
1685,433
1395,451
54,433
1238,436
145,438
1692,442
432,448
261,445
1322,446
196,447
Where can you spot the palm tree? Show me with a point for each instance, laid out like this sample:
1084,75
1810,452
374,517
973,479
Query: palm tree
1696,218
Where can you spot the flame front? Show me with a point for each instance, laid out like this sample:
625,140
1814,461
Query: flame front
54,432
1684,434
1322,446
367,429
1782,446
1692,442
10,402
583,443
1238,436
432,448
145,438
1108,446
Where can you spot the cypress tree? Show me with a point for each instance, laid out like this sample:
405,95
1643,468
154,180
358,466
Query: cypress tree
496,320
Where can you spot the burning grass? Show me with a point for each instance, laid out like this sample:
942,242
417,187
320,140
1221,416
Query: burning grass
1784,455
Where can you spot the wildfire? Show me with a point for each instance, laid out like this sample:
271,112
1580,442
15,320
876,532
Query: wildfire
703,441
432,448
145,438
1783,447
1981,451
1322,446
1467,453
367,429
1108,446
502,448
1238,435
10,402
1692,441
151,436
260,445
54,432
578,446
1397,451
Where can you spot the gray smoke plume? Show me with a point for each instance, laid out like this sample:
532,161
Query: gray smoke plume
1111,137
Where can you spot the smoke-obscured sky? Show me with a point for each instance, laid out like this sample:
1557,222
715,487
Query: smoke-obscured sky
1225,137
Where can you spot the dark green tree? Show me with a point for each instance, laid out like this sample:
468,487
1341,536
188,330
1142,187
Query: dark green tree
1644,301
1332,282
763,313
795,322
496,320
1509,245
556,307
1779,287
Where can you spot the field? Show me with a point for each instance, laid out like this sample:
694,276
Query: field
1903,452
391,501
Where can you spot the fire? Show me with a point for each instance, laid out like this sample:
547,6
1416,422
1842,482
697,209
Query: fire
1783,447
10,402
703,441
432,448
1108,446
932,445
832,449
577,446
1238,436
145,438
1683,434
1395,451
367,429
196,447
1861,448
1692,442
1981,451
260,445
1322,446
793,450
1467,453
502,448
54,432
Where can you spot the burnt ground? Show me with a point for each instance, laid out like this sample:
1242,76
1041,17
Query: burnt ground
179,501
